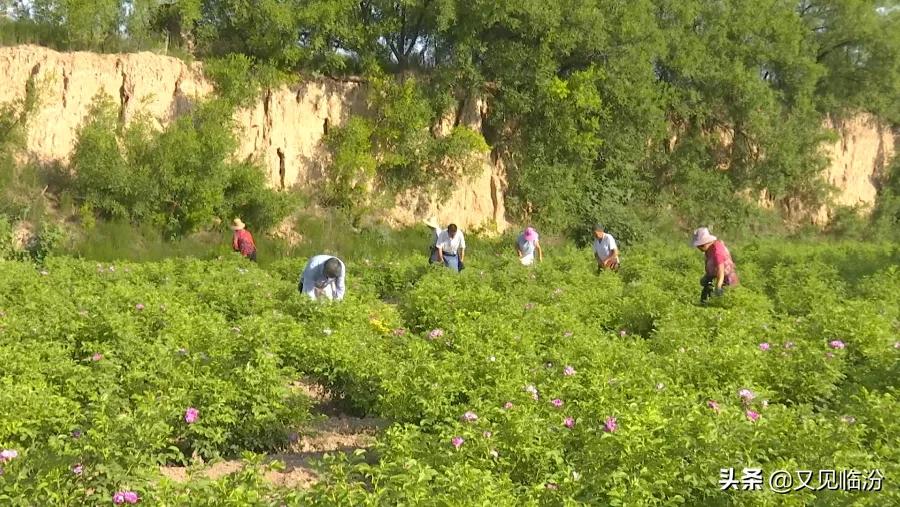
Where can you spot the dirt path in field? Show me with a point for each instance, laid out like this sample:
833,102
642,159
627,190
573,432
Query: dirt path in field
333,432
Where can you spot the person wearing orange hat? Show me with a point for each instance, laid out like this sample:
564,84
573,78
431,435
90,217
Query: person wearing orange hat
526,244
720,270
242,241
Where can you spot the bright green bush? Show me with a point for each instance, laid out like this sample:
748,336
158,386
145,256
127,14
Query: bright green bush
819,354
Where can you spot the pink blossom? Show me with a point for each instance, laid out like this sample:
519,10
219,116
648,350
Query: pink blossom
569,422
746,395
836,344
897,345
623,333
139,306
487,434
569,371
8,455
470,416
508,405
551,485
457,442
131,497
753,416
557,402
713,405
77,469
119,498
436,333
97,356
610,425
191,415
764,346
76,433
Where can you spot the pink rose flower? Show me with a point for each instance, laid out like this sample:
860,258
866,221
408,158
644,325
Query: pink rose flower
457,442
836,344
713,405
97,356
610,425
487,434
139,306
569,371
470,417
191,415
746,395
764,346
753,416
508,405
77,469
557,402
8,455
569,422
436,333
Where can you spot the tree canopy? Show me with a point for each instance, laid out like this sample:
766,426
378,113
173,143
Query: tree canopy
597,103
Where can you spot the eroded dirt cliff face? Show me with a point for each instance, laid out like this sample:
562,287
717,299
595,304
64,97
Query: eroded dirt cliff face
859,159
283,129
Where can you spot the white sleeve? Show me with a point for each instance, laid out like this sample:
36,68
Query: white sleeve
612,244
341,288
462,240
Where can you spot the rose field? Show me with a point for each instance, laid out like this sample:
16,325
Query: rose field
503,385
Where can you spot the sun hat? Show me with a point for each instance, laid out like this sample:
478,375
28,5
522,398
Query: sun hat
237,225
432,222
530,234
702,237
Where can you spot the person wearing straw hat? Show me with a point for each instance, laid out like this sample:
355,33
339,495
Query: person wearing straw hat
451,248
323,278
242,241
720,270
435,227
526,244
606,251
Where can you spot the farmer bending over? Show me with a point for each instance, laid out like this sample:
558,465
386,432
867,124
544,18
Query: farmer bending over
526,244
323,277
451,248
435,227
606,251
242,241
720,270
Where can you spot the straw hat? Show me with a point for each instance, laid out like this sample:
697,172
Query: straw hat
530,234
432,222
702,236
237,225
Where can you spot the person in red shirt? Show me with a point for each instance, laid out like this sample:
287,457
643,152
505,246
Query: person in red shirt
243,241
720,271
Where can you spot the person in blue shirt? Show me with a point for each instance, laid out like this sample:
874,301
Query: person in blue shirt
323,278
526,244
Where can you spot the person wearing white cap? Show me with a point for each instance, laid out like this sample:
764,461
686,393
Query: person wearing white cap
323,278
526,244
435,227
720,270
606,251
242,240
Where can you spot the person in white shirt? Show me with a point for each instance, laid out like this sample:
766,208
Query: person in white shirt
606,251
451,248
526,244
436,230
323,278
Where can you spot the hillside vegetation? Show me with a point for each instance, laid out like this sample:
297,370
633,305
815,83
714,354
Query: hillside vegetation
600,108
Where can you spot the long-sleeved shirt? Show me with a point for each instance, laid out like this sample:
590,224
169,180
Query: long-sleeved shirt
243,242
313,278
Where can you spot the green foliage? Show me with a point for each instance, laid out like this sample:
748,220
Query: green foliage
180,179
228,338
